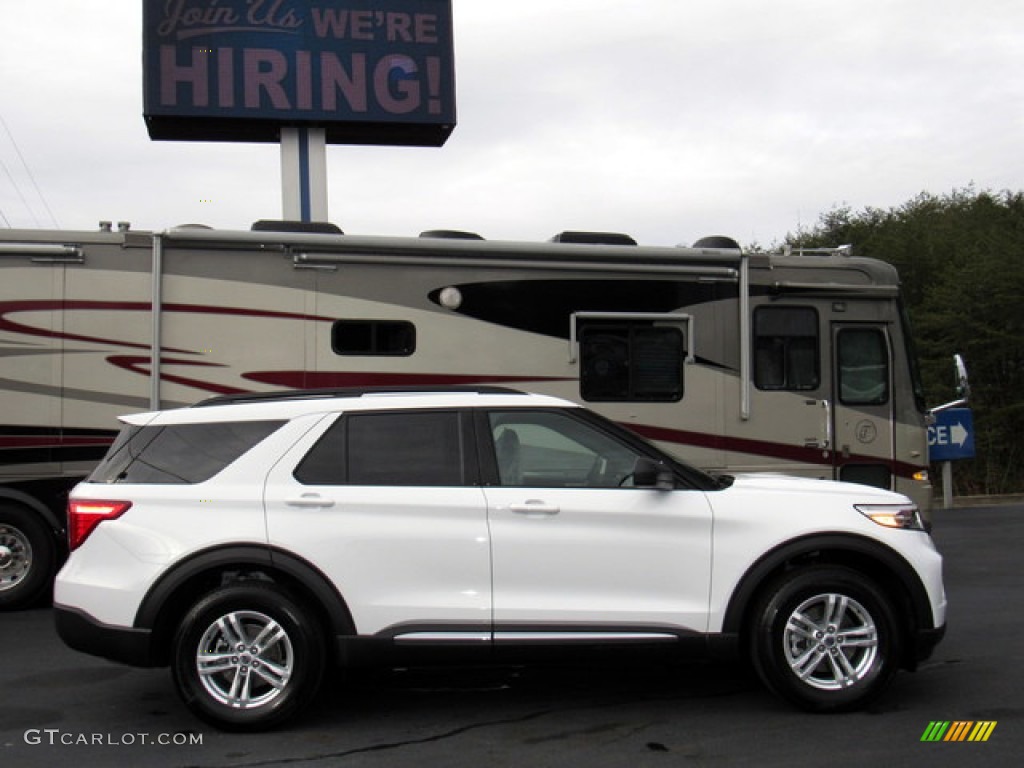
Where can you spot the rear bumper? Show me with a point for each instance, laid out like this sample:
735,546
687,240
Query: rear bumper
84,633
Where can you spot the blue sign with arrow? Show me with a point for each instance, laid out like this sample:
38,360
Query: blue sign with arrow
951,437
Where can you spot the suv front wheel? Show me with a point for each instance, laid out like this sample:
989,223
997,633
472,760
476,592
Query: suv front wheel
826,638
248,656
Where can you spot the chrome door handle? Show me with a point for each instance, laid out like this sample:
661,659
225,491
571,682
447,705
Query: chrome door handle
826,443
828,423
534,507
310,501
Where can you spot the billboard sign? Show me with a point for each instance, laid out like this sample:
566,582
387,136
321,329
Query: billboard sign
367,71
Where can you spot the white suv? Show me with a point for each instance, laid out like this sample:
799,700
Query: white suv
249,541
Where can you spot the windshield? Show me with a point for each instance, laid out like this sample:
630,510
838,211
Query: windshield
911,351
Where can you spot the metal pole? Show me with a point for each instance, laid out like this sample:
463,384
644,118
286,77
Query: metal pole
304,173
947,485
745,351
156,319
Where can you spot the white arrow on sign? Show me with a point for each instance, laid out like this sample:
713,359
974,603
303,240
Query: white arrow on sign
958,434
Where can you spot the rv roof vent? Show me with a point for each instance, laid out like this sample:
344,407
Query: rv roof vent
593,238
451,234
307,227
839,250
717,241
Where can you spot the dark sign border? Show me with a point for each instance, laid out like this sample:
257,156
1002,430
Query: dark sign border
238,70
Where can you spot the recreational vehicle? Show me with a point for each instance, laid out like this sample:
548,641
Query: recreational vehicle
795,362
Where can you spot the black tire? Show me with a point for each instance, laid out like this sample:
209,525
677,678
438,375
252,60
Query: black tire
28,555
826,638
231,673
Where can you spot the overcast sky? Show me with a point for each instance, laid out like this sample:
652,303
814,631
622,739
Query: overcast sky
665,119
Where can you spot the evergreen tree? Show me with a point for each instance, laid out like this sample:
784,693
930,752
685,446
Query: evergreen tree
961,263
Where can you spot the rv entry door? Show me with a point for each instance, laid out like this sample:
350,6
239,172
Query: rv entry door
863,404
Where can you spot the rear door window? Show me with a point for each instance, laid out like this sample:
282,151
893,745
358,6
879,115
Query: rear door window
425,448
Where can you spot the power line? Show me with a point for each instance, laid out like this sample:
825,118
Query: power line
31,176
21,195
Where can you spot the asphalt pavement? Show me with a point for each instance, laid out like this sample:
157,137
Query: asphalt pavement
62,707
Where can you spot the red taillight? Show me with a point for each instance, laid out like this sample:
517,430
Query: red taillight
84,515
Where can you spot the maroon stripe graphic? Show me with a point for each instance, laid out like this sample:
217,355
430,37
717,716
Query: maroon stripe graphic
339,379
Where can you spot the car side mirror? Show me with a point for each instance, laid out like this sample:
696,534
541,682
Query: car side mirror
648,473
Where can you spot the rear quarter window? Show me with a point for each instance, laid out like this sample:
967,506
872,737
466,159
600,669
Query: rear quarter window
179,453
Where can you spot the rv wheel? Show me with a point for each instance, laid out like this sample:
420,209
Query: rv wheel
27,556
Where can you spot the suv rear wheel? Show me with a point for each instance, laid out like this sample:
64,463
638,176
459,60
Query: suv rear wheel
826,638
248,656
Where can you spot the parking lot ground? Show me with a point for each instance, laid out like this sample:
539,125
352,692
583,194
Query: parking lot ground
61,707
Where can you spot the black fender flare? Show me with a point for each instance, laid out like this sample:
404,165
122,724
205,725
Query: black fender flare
834,543
313,581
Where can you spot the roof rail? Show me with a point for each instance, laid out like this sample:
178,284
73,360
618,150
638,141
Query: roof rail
314,394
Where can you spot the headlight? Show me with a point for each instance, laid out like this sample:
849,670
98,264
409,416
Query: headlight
906,516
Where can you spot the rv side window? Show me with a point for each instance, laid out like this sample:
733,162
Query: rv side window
379,338
863,367
631,362
786,349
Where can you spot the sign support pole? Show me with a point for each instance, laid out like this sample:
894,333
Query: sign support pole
947,485
304,173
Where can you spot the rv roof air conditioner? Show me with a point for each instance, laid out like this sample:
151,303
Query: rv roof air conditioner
593,238
717,241
305,227
450,234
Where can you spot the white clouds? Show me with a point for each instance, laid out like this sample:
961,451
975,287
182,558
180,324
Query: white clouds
666,119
